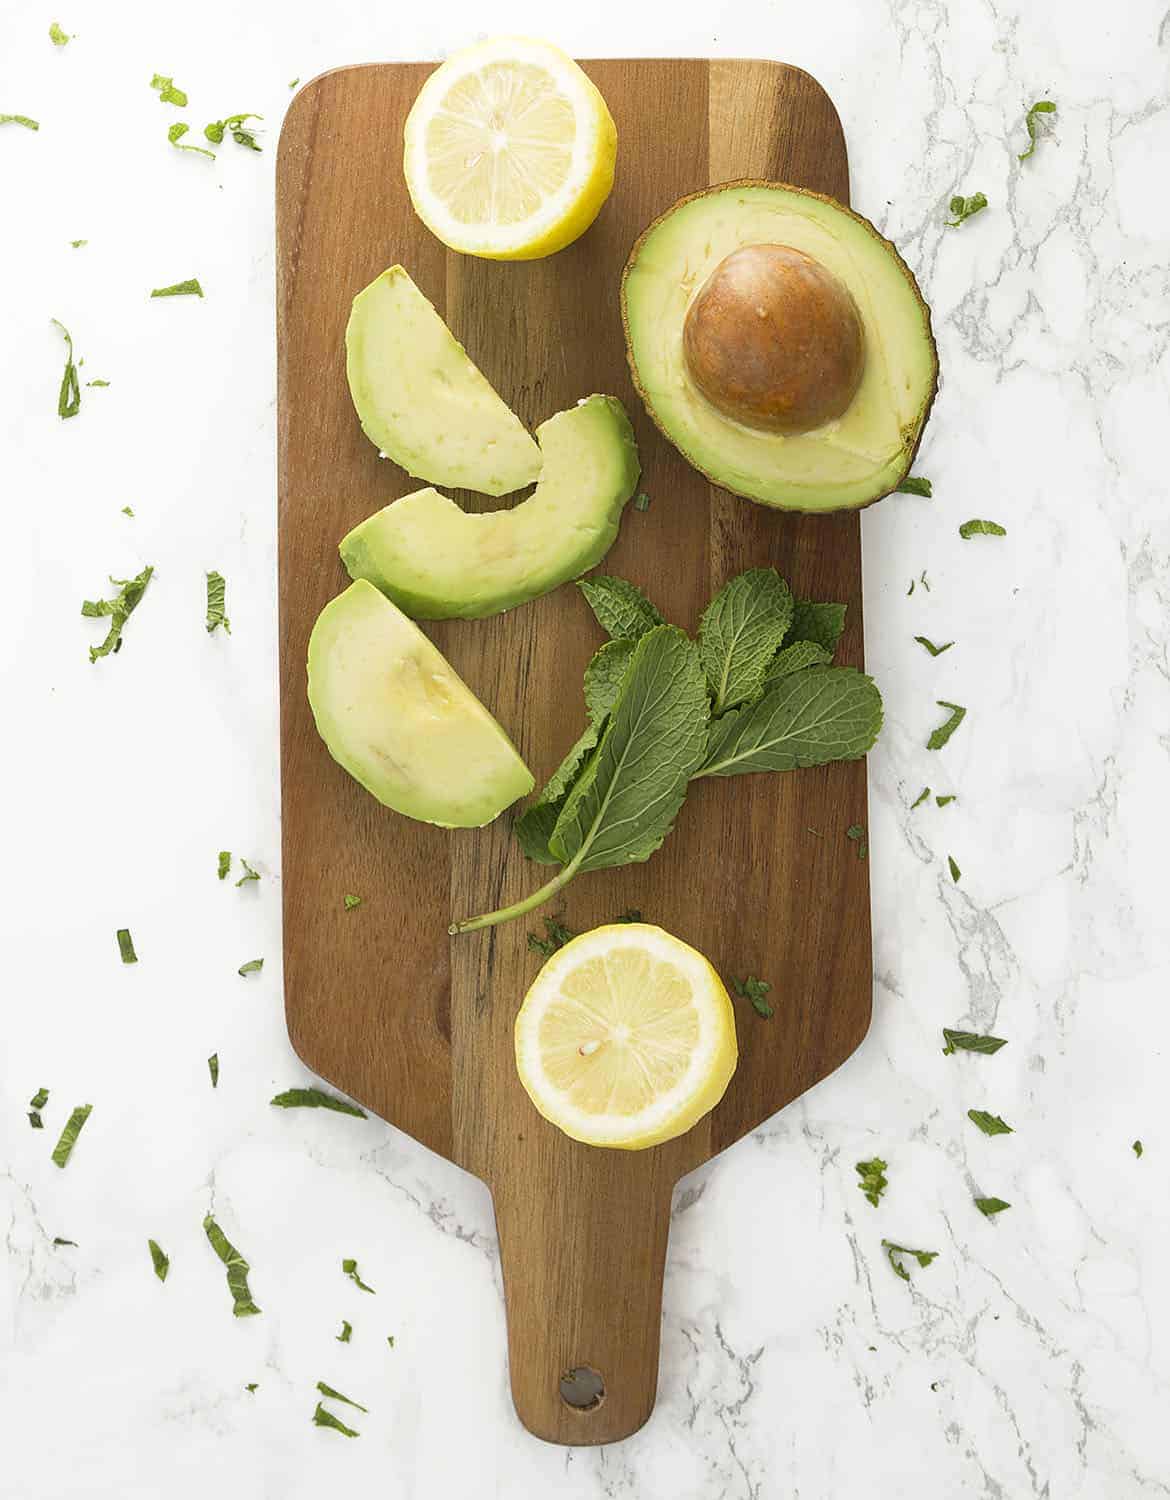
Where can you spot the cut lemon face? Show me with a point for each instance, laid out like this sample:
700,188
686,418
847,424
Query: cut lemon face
509,150
626,1038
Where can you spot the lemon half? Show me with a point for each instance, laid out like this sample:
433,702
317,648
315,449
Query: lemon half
626,1038
509,150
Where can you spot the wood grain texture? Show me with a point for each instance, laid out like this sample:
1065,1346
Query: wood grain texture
758,874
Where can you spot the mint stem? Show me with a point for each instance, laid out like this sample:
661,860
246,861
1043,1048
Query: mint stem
519,908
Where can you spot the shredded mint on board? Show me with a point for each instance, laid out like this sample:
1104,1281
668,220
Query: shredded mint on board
939,736
756,991
873,1181
970,1041
988,1123
1031,121
351,902
315,1098
349,1266
237,1268
642,502
118,609
895,1252
68,1139
126,946
963,208
556,935
159,1259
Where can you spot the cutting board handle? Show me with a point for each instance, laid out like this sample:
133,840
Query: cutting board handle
583,1255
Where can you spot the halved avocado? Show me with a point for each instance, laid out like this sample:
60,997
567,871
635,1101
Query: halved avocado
436,560
781,344
422,400
396,715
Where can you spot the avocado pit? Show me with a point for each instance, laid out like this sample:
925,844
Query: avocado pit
773,339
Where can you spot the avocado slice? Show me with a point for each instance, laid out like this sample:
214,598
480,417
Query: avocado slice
436,560
423,402
811,399
394,713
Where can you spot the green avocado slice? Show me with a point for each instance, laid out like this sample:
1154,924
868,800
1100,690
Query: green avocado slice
421,399
848,462
436,560
394,713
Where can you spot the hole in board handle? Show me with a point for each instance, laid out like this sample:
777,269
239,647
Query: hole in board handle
582,1388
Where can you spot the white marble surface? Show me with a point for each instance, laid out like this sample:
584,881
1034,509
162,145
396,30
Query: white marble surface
1032,1358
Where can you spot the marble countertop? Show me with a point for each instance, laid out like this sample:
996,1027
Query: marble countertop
1031,1358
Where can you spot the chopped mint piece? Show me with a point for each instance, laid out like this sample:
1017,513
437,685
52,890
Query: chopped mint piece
20,120
923,1257
931,647
224,864
175,135
989,1124
34,1119
323,1418
237,1268
350,902
292,83
162,1263
970,1041
944,801
213,1069
252,1386
915,486
981,528
253,966
642,502
315,1098
556,936
963,208
77,244
39,1099
216,592
69,391
390,1339
956,873
755,990
857,833
167,92
188,288
59,37
346,1330
349,1266
921,798
57,1240
1032,120
234,126
95,384
119,609
332,1395
989,1206
939,736
1138,1148
248,875
64,1147
873,1181
126,946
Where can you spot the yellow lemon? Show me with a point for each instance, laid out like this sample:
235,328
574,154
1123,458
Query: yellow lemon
626,1038
509,150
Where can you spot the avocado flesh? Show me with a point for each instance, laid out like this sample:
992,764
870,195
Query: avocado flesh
394,713
851,461
436,560
422,400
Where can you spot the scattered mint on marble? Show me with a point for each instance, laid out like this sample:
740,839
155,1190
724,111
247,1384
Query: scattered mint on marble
213,1069
73,1127
351,902
931,647
188,288
820,623
233,125
332,1395
945,801
252,1387
39,1099
248,875
175,134
77,244
20,120
1032,120
740,632
126,946
101,385
390,1339
160,1260
989,1124
167,92
223,864
956,873
922,579
57,1240
981,528
970,1041
349,1266
963,208
893,1252
323,1418
237,1268
756,991
346,1331
857,833
622,610
989,1206
921,798
59,37
253,966
292,83
118,609
939,736
216,602
556,935
642,501
873,1181
34,1119
1138,1148
315,1098
915,486
69,391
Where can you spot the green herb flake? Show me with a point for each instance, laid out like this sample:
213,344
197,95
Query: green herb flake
128,510
167,92
216,597
188,288
915,486
175,134
237,1269
857,833
755,990
390,1339
253,966
349,1266
34,1119
1032,120
894,1252
233,125
213,1069
292,83
873,1181
57,1240
118,609
161,1261
642,502
59,38
556,936
249,874
315,1098
73,1127
126,946
223,864
330,1394
921,798
323,1418
20,120
351,902
346,1331
991,1206
956,873
939,736
69,391
1138,1148
77,244
963,208
947,800
98,385
970,1041
39,1099
988,1123
981,528
931,647
252,1387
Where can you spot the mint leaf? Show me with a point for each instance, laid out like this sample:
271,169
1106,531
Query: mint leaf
351,902
323,1418
216,600
970,1041
931,647
873,1179
533,828
249,874
820,623
739,634
796,658
59,39
956,873
923,1257
989,1206
253,966
223,864
188,288
604,676
857,833
963,208
556,936
1138,1148
118,609
346,1330
981,528
1032,120
175,135
349,1266
68,1139
213,1069
939,736
820,715
20,120
755,990
915,486
315,1098
167,92
944,801
622,610
160,1260
989,1124
921,798
69,391
234,126
126,946
237,1269
328,1391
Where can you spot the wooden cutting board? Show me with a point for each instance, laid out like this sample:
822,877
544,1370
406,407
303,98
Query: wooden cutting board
758,873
